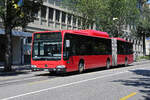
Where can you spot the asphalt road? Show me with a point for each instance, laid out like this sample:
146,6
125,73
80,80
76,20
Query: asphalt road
120,83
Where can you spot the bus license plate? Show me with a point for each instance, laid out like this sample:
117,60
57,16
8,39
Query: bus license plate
46,70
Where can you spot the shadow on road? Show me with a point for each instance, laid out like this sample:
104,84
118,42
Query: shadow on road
77,73
13,73
72,73
142,82
16,71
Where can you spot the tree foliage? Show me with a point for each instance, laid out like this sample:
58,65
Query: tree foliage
88,9
109,15
19,16
125,12
143,26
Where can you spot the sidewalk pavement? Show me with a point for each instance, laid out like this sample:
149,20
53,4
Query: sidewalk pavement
15,69
143,61
19,72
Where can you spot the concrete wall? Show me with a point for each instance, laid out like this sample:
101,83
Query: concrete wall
56,18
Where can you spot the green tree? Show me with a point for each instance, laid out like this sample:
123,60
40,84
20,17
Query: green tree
121,13
143,26
15,13
109,15
89,10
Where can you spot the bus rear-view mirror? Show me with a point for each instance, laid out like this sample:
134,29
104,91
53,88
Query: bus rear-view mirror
67,43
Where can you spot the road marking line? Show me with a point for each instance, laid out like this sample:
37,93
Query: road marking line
37,82
5,78
63,85
19,80
128,96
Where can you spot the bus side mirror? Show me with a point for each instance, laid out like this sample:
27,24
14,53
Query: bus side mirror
67,43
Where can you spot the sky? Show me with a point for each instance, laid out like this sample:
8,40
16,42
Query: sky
148,1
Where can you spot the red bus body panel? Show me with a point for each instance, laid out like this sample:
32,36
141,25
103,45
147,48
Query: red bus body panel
93,61
47,64
121,59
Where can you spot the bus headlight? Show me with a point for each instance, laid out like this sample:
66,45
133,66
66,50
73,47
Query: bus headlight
61,66
33,66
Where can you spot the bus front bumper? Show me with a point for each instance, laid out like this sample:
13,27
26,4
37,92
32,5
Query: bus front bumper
59,70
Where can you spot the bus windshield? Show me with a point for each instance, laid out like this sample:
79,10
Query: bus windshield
47,46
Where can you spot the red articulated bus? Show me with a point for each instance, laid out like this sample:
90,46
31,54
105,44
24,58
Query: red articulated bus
78,50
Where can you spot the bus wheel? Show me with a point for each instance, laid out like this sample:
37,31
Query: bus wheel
126,62
81,67
108,64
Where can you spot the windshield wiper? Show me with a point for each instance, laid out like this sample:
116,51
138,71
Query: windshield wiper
38,58
46,58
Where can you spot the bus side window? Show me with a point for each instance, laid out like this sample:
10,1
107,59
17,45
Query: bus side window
82,49
73,50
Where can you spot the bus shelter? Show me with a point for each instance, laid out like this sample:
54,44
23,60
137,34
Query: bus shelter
17,46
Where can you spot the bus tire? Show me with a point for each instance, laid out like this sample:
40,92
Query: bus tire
81,67
126,62
108,64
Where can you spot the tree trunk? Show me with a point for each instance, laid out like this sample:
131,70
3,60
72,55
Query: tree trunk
144,47
8,52
8,37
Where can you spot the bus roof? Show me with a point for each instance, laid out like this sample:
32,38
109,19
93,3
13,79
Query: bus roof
121,39
89,33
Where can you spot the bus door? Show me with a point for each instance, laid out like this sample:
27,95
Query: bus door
69,53
114,52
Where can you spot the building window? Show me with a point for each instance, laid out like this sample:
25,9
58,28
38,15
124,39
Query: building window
74,20
79,21
69,19
43,12
57,15
91,25
29,40
51,12
35,14
63,17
